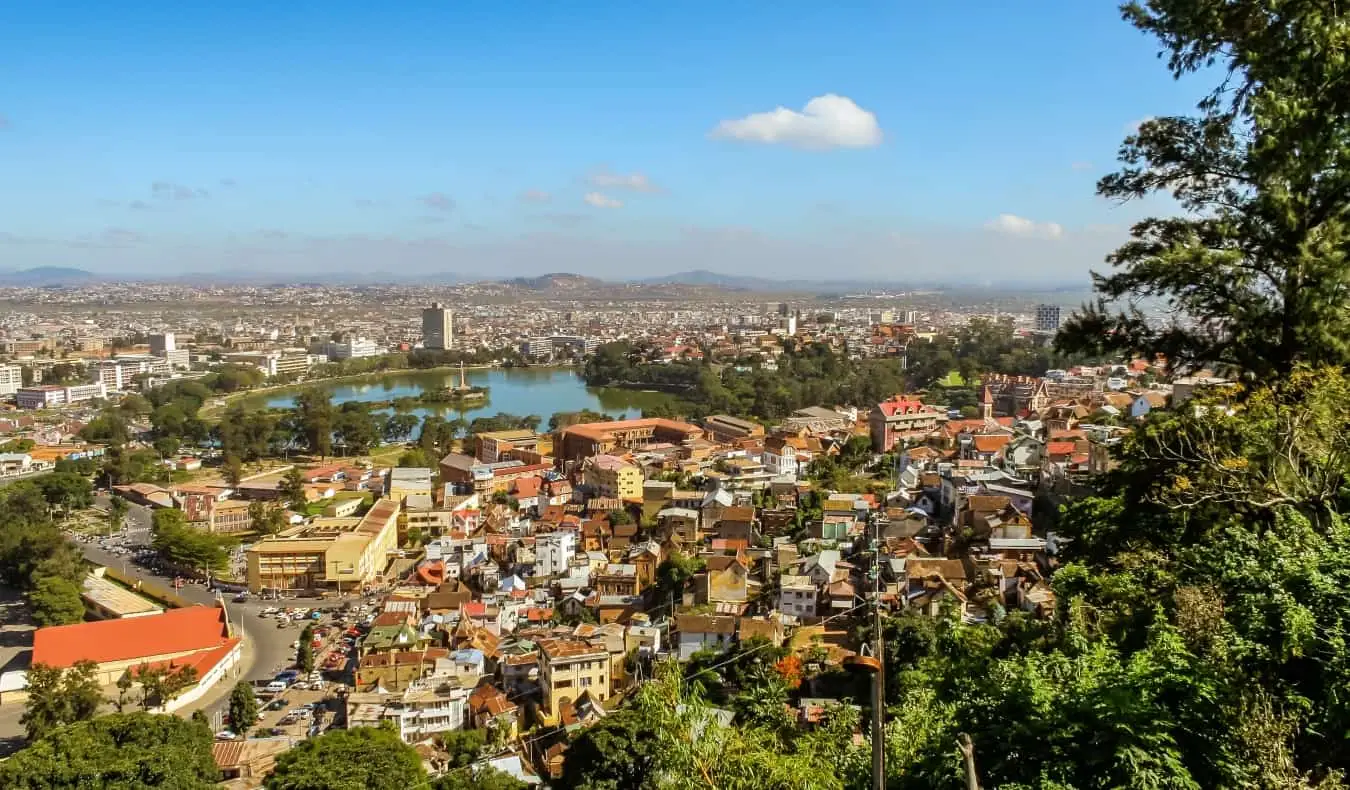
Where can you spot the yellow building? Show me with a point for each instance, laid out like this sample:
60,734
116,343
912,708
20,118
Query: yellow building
611,476
343,553
567,667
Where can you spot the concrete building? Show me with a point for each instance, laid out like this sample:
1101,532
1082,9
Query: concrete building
568,667
899,420
797,596
107,601
1047,318
11,379
725,428
553,552
345,554
438,327
611,476
355,348
47,396
422,710
161,344
410,481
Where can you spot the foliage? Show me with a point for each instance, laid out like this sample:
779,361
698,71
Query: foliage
304,658
365,758
1255,274
116,752
31,546
55,601
243,707
159,685
292,488
181,545
57,697
417,458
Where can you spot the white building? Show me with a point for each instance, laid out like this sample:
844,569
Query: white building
43,397
438,327
355,348
780,458
553,552
11,379
427,707
1047,318
797,596
162,343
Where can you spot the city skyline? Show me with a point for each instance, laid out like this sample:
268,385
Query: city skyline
876,142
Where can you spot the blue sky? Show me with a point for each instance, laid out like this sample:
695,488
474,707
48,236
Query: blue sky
954,141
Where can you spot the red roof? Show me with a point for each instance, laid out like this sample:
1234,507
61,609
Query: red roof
202,661
1059,448
991,443
187,630
474,609
899,405
527,486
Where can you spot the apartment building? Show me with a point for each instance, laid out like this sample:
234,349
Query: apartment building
611,476
493,446
568,667
423,709
11,379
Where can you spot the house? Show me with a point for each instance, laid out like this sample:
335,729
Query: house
568,667
553,552
900,420
679,525
248,761
724,580
611,476
416,712
1145,402
797,596
697,632
820,568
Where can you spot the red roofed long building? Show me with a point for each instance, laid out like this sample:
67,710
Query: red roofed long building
197,636
579,442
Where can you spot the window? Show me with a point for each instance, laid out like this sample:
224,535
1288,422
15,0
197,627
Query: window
585,682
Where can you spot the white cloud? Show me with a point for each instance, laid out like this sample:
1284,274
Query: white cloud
602,201
637,182
1013,225
829,121
535,196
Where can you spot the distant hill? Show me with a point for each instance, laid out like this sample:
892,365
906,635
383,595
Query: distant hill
557,281
45,275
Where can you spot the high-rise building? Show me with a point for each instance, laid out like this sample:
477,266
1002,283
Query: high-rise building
161,344
11,379
438,327
1047,318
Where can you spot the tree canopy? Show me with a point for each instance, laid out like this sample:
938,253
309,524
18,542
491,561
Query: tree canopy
365,758
116,752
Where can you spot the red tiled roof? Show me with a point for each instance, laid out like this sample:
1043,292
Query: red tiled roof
1059,448
201,662
899,405
192,629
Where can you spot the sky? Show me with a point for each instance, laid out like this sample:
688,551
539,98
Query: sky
899,141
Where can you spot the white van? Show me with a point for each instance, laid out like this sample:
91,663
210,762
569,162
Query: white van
275,687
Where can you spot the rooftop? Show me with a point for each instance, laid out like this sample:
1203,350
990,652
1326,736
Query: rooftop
175,631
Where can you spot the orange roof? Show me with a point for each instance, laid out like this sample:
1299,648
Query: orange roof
201,661
600,430
193,629
1059,448
991,443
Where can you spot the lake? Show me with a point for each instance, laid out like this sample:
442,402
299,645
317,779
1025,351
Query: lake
522,391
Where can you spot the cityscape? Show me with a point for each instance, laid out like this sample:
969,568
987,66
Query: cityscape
402,442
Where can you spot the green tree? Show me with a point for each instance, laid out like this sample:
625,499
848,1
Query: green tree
417,457
57,697
243,708
55,601
480,778
1254,273
117,513
292,488
618,753
135,750
315,417
365,758
304,658
232,469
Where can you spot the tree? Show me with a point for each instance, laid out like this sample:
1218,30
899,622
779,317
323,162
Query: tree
1254,275
159,685
617,753
398,427
243,708
292,489
132,750
67,490
480,778
305,655
55,601
167,446
417,458
365,758
257,516
232,469
314,414
117,513
57,697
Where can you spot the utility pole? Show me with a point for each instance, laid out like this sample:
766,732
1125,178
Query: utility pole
879,676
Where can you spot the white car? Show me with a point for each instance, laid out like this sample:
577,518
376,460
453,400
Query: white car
225,735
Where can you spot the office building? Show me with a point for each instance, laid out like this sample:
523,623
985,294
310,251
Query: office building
567,669
43,397
161,344
11,379
1047,318
354,348
343,553
438,327
611,476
